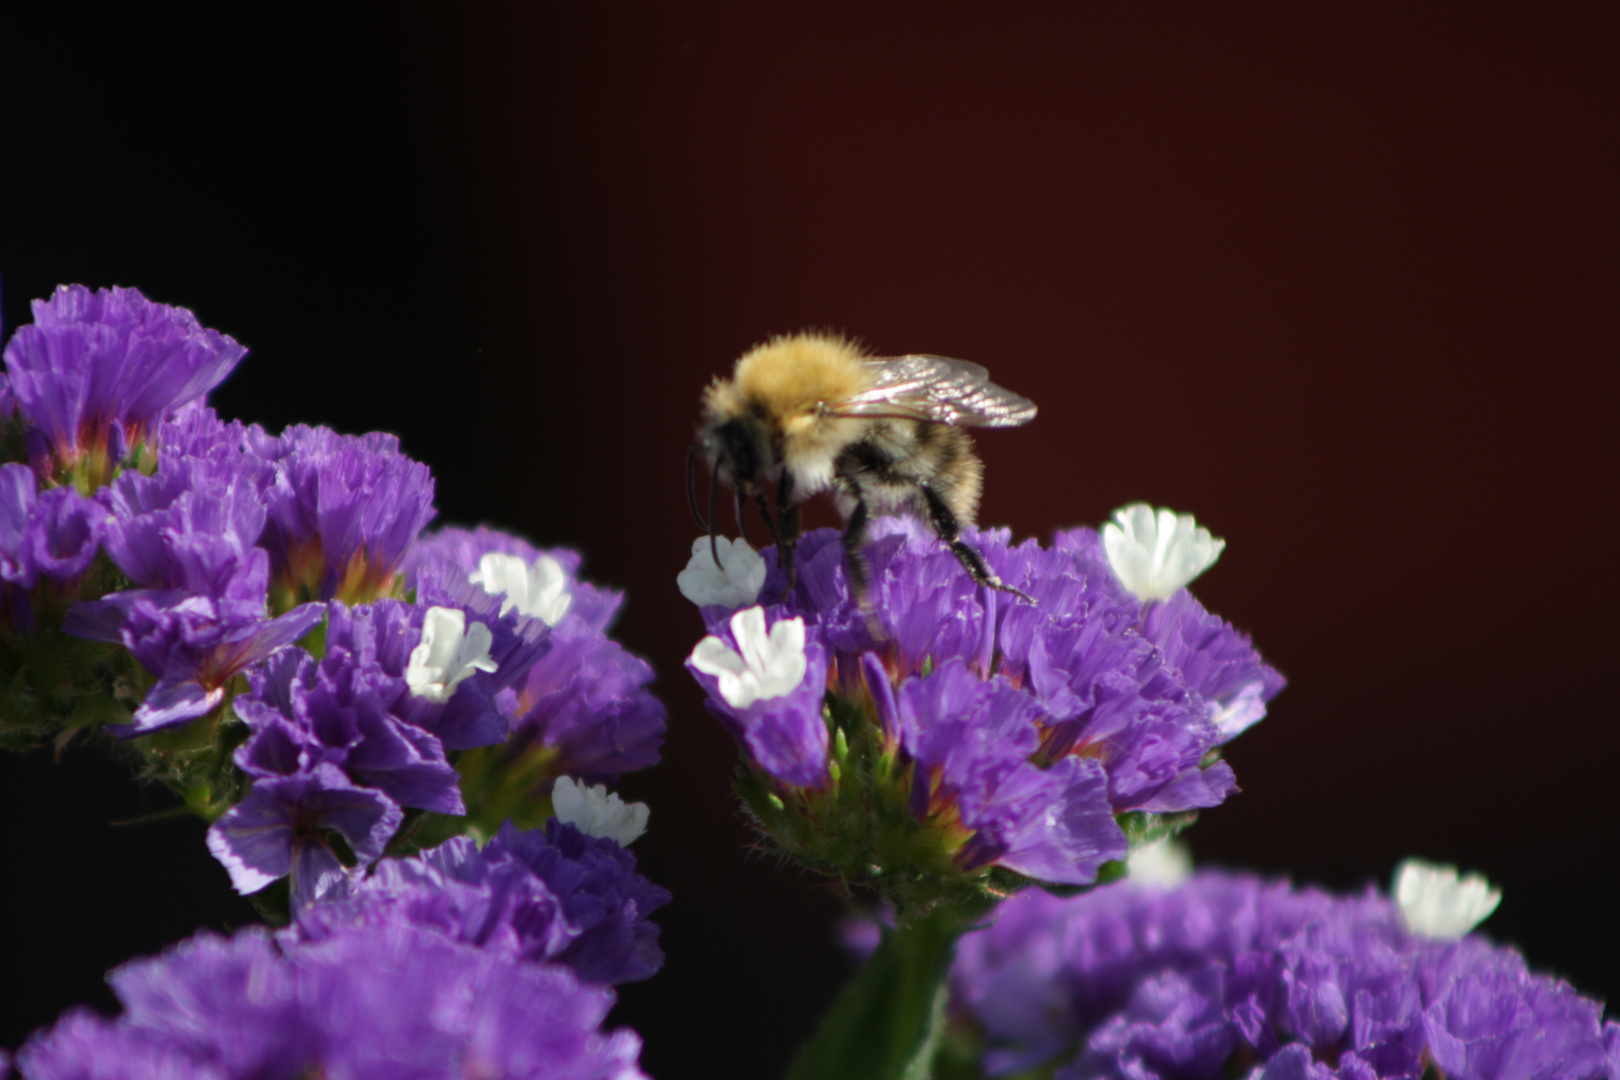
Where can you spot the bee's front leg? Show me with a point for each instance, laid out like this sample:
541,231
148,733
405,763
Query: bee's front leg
944,523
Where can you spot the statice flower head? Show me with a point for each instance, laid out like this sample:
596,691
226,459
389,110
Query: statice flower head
97,372
949,738
366,1002
53,534
582,710
1230,972
554,895
343,510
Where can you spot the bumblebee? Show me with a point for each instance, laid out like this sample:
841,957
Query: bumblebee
808,413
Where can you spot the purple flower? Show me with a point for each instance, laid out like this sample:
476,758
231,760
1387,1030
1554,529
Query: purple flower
97,371
356,710
552,895
55,533
367,1002
85,1046
188,536
587,703
583,706
194,644
282,827
602,896
1231,971
377,641
337,714
970,741
766,686
343,510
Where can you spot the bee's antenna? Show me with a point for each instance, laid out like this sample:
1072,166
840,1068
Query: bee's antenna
691,486
737,512
714,516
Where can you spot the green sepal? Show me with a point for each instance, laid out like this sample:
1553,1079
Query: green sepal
1142,828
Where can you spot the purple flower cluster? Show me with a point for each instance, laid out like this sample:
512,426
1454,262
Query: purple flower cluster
1021,729
1229,972
237,544
583,709
341,744
543,895
372,1000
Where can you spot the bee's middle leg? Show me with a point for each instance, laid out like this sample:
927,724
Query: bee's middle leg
860,574
945,525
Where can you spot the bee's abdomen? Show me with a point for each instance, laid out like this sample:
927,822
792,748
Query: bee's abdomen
894,457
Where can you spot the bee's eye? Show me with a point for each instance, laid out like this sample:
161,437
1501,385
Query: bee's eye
738,449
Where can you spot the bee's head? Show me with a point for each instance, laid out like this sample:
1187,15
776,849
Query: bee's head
739,452
735,439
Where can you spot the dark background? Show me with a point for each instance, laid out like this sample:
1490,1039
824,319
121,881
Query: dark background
1340,279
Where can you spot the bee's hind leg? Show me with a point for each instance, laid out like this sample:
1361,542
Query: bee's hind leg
944,523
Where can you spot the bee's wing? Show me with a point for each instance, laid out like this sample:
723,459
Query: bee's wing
935,388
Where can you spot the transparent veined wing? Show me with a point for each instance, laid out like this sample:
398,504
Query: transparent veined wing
935,388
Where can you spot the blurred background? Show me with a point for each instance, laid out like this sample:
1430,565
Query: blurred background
1339,279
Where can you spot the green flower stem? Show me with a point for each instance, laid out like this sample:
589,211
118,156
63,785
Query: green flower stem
887,1023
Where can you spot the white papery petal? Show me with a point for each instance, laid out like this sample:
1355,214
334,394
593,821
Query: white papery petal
1437,903
539,590
595,811
1163,865
762,666
734,583
1156,553
448,653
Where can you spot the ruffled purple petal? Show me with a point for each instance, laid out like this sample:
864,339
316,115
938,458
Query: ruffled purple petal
279,829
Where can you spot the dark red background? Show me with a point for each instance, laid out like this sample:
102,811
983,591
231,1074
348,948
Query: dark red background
1340,280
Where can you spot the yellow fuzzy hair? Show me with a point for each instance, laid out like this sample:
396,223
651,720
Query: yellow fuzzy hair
790,375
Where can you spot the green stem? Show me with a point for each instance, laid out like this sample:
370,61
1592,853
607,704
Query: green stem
887,1023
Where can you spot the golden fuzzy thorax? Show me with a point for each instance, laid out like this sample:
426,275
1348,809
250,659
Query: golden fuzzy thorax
785,380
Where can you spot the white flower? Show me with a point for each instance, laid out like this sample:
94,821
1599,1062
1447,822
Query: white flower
1153,555
1161,865
765,666
539,591
1434,902
1245,709
735,582
595,811
449,652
